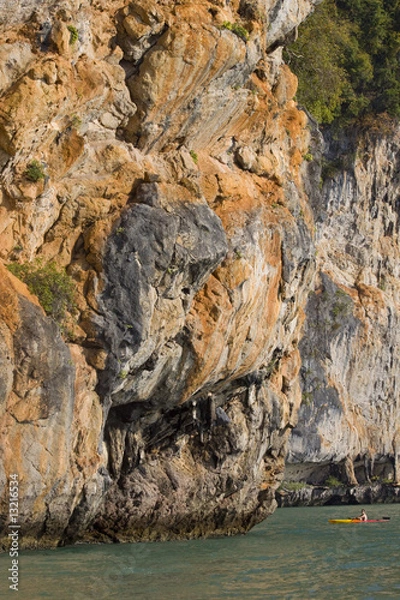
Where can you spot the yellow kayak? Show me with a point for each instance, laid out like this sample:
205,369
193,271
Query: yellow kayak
383,520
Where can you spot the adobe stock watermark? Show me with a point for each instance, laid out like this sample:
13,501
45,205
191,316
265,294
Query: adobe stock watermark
13,532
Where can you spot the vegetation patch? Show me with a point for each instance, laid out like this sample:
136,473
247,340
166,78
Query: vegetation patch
342,306
53,286
347,60
333,482
306,398
237,29
35,171
194,156
292,486
76,121
74,36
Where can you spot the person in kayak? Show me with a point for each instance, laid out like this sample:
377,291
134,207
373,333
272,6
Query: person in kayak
363,516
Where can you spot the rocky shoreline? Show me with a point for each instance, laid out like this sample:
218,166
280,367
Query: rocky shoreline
323,495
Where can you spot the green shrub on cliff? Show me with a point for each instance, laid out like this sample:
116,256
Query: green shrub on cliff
333,481
292,486
239,30
35,171
347,59
74,36
53,286
194,156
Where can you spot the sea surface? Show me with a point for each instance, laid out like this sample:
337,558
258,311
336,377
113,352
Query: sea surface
296,553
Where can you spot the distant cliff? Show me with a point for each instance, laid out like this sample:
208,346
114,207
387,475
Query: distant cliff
349,420
152,154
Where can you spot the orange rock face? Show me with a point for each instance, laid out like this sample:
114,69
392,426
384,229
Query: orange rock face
45,436
168,153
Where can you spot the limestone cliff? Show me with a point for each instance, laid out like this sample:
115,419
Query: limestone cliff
154,151
349,419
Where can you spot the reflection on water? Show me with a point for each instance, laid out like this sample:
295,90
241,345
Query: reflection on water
295,554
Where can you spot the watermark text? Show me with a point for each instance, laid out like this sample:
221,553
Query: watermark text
13,532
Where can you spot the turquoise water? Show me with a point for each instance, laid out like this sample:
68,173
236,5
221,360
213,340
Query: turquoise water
295,554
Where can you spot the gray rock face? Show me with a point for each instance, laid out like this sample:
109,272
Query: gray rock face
164,471
377,493
17,12
157,256
329,323
350,359
203,464
285,16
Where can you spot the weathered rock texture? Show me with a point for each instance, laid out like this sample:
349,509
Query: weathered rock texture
350,415
172,192
50,417
320,495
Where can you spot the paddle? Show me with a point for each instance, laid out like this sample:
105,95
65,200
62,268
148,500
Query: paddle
357,519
